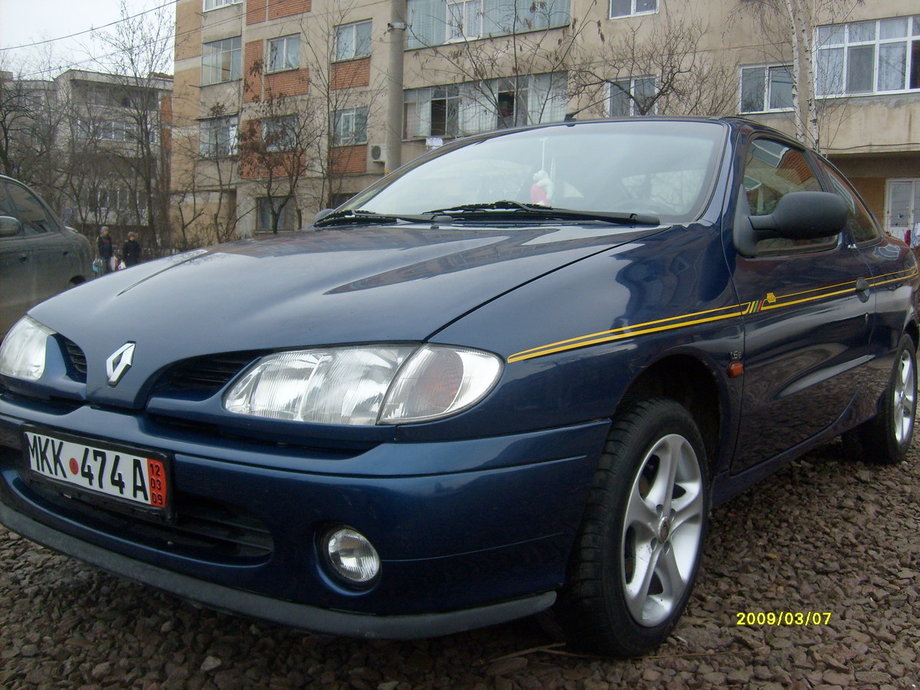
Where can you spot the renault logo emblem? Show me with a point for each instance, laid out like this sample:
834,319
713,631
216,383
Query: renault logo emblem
119,362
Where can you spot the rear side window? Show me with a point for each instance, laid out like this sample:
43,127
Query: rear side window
860,222
773,169
31,212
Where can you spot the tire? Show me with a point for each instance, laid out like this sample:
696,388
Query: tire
886,438
650,497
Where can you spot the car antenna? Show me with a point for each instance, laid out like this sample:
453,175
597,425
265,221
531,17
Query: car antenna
570,117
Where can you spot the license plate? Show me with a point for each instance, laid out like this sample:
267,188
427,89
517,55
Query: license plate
128,476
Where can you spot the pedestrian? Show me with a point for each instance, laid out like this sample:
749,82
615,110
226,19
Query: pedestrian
132,251
915,240
104,245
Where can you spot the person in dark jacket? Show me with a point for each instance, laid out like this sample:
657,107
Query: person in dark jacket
131,251
104,245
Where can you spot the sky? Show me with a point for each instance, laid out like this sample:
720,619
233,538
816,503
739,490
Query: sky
31,21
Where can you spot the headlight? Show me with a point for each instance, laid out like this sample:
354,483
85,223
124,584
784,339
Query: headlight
439,381
385,384
22,355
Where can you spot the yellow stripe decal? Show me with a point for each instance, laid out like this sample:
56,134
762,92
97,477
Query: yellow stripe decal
770,301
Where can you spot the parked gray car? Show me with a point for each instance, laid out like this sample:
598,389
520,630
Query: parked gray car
39,255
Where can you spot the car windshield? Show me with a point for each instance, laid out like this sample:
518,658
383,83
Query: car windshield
659,167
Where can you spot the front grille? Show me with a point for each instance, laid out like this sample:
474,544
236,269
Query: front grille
202,528
204,376
75,360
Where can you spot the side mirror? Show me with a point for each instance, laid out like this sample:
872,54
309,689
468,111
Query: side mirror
9,226
803,216
797,216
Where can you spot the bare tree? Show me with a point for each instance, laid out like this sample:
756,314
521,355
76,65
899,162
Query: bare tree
656,68
204,189
790,27
29,122
538,41
276,143
140,55
337,92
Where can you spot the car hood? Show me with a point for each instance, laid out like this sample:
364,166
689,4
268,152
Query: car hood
319,288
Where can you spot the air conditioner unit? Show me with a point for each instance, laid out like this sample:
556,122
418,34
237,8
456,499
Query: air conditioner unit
378,153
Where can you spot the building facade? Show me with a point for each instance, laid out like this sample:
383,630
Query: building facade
283,107
97,146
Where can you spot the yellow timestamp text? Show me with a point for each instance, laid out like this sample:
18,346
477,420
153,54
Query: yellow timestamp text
782,618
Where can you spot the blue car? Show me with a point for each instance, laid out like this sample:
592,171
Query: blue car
513,376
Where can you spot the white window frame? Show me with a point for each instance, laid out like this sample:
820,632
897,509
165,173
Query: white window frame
210,146
286,126
117,130
216,50
472,107
352,29
288,47
209,5
464,20
767,95
344,126
913,221
633,12
631,81
840,37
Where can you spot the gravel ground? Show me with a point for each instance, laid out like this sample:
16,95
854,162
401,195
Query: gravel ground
822,535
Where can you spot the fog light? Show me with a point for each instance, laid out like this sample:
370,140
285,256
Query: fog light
351,556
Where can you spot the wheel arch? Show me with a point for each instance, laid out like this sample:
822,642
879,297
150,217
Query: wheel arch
913,331
689,382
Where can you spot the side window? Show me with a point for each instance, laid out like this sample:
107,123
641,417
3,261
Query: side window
860,222
31,212
773,169
6,208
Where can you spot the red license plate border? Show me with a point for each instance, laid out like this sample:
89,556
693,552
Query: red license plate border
104,500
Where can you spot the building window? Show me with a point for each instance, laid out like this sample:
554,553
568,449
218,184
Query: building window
285,209
280,133
353,40
284,53
627,8
112,130
350,127
435,22
903,207
214,4
766,87
217,137
445,111
221,61
632,97
874,56
456,110
464,20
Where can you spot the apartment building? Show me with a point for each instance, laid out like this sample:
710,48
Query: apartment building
94,144
284,107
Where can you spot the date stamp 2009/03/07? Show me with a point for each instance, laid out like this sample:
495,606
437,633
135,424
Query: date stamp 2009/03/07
782,618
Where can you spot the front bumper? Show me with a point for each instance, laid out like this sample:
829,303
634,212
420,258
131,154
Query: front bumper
482,544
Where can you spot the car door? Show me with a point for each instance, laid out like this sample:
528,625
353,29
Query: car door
807,309
18,288
892,269
49,253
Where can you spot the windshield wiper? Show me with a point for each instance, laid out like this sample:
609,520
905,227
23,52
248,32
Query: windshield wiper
361,216
511,208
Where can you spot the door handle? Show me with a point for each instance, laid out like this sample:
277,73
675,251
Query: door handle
862,290
23,258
